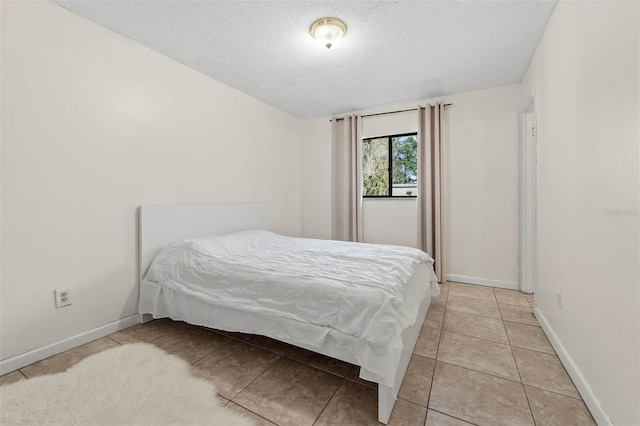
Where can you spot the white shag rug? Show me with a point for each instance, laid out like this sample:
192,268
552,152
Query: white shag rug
131,384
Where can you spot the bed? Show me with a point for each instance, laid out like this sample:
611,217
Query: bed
380,349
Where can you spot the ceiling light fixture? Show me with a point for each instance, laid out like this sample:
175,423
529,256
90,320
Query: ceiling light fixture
328,31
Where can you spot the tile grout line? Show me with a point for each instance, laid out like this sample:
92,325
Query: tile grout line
61,354
329,400
245,408
360,383
113,340
209,353
554,392
531,349
284,355
519,322
473,298
435,364
495,298
499,311
269,366
526,397
513,304
454,417
469,313
249,384
481,372
484,372
511,380
476,337
565,371
479,338
279,355
414,403
522,383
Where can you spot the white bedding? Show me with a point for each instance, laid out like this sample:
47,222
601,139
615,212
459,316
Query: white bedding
355,289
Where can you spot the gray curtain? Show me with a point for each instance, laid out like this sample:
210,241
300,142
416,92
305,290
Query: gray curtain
346,178
432,126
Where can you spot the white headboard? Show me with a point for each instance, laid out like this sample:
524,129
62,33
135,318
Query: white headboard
161,224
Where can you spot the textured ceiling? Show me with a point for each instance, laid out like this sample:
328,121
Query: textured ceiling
393,50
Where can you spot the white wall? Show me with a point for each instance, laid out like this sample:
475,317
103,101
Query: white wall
484,184
315,164
483,188
586,70
390,221
94,125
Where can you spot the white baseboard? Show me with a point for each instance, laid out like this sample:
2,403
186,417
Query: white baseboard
11,364
484,281
598,413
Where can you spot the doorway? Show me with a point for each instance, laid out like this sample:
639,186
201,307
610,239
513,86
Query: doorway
528,195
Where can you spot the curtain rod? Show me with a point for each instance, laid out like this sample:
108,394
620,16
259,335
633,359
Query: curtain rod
388,112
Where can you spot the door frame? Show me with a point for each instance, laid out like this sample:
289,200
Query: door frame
528,191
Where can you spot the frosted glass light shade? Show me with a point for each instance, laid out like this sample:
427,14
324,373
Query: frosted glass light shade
328,30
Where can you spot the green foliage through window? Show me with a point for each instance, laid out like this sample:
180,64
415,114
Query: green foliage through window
405,159
390,158
375,166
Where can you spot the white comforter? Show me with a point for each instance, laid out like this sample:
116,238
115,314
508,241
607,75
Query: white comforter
354,288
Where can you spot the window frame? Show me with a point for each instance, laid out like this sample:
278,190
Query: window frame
390,168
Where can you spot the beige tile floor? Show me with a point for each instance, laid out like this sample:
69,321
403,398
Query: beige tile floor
481,358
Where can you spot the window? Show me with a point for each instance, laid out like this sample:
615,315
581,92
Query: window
390,166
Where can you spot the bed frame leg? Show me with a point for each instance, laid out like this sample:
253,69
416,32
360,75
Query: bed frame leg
145,318
386,401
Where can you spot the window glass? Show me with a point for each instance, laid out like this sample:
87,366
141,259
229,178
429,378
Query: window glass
404,151
390,166
375,166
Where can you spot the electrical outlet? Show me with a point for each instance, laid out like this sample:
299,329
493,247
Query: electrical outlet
63,297
559,300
